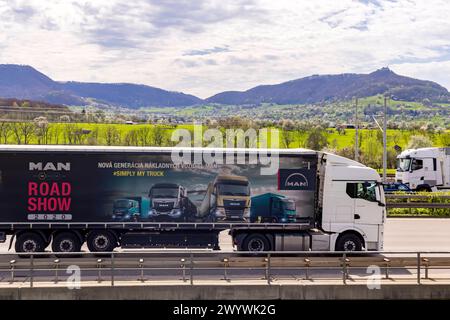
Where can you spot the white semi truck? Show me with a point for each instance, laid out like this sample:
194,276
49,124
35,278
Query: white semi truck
62,197
424,169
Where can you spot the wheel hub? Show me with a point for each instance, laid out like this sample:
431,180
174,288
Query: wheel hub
66,246
256,245
349,246
29,246
101,242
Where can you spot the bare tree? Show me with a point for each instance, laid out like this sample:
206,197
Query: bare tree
131,138
23,131
144,135
5,131
112,135
158,136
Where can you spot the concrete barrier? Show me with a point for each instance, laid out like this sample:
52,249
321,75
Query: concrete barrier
229,292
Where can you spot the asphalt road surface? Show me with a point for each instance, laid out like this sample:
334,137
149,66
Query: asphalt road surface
421,234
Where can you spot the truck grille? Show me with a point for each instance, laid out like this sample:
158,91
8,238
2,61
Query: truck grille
163,206
233,214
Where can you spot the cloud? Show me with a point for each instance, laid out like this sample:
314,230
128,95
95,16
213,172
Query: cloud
207,46
204,52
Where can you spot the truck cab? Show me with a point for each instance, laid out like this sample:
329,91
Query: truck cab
167,201
227,198
424,169
351,204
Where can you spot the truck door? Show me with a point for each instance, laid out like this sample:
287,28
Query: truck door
275,210
366,205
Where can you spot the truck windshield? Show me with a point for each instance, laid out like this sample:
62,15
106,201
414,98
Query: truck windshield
403,164
122,204
164,193
233,190
289,205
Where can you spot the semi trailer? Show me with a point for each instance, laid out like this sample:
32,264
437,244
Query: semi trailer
62,197
424,169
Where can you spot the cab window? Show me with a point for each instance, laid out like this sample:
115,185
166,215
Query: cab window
362,190
416,164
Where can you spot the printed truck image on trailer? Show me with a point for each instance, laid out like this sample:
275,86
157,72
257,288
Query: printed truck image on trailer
272,207
227,199
131,209
169,201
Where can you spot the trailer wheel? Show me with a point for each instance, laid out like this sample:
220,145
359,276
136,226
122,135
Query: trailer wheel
256,243
349,242
30,242
66,242
101,241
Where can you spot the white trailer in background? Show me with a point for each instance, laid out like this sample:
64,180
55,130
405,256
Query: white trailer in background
424,169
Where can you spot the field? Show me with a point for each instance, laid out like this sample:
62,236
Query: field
98,134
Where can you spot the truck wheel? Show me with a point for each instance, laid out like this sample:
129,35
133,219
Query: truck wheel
101,241
30,242
256,242
66,242
348,242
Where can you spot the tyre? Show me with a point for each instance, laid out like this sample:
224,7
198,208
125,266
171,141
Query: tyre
423,189
349,242
66,242
256,243
101,241
30,242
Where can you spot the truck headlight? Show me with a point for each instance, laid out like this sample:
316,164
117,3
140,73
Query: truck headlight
153,212
220,212
247,213
175,212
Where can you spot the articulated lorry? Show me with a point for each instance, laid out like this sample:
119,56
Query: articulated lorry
61,197
424,169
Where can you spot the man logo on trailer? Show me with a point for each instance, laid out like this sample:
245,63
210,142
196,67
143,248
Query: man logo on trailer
296,180
49,166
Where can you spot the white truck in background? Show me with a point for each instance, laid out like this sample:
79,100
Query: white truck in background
424,169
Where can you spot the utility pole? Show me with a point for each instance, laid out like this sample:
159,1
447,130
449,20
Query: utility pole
385,139
356,131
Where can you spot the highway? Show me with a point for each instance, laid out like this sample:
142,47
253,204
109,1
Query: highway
400,235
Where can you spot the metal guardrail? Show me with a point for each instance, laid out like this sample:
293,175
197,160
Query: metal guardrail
188,266
409,201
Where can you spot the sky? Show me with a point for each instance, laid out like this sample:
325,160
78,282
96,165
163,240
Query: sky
203,47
